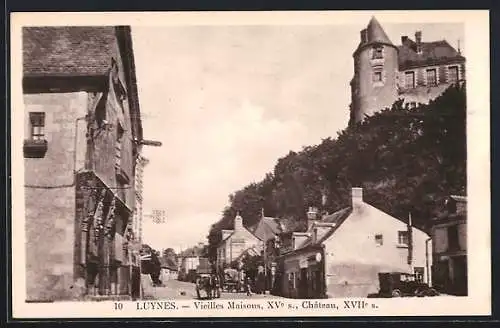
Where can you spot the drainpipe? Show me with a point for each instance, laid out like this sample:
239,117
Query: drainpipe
427,261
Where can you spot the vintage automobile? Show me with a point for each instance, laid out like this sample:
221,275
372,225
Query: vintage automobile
400,284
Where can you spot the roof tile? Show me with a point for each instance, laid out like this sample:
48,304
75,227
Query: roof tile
67,51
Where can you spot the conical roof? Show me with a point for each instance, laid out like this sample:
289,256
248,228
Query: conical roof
376,33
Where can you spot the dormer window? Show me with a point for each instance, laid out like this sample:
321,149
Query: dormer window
378,52
377,76
451,205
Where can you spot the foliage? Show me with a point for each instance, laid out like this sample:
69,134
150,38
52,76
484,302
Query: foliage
405,159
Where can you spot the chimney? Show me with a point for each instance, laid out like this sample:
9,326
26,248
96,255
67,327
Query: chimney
364,36
312,216
238,223
357,197
404,38
418,40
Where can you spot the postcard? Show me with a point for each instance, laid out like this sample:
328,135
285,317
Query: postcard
250,164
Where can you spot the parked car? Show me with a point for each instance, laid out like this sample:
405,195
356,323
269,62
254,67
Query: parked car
400,284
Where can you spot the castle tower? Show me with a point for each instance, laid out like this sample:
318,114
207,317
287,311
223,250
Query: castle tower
374,85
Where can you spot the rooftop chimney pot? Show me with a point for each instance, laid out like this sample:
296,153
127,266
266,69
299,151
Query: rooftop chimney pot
418,40
404,38
364,35
357,196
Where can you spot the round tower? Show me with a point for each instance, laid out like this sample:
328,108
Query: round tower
374,86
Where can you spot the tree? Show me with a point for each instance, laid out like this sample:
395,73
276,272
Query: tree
406,160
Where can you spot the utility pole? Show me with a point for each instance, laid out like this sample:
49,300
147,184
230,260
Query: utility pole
265,252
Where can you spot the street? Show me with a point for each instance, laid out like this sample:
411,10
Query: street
181,290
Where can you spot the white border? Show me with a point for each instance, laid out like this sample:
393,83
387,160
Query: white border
476,24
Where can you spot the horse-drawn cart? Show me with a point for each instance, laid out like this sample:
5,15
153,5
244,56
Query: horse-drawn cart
233,281
207,284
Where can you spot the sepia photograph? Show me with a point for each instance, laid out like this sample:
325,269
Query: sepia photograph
182,165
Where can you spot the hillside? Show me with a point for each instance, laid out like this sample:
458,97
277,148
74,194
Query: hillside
406,160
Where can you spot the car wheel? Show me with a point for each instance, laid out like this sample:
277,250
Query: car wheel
432,292
396,293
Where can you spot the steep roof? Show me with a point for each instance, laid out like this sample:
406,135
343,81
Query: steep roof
81,51
376,33
267,228
67,51
436,52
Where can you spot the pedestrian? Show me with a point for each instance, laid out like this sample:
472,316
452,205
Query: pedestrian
247,285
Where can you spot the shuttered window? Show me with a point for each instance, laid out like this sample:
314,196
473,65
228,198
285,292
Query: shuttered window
410,80
453,74
431,77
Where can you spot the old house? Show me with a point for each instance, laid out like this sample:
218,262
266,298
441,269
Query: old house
242,241
449,252
341,254
82,131
235,242
169,270
417,71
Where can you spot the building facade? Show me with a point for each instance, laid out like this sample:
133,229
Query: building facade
235,242
82,121
415,71
341,254
449,235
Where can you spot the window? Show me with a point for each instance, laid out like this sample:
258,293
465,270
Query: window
413,104
419,274
403,237
410,80
453,243
378,52
377,76
453,74
431,77
37,125
379,240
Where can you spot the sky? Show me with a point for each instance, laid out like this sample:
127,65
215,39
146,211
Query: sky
228,101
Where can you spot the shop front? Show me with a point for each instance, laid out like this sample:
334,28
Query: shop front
302,274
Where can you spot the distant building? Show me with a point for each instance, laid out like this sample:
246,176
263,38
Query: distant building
169,270
81,119
416,71
240,242
449,236
341,254
235,242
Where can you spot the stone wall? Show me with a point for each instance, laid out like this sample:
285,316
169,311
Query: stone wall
50,196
